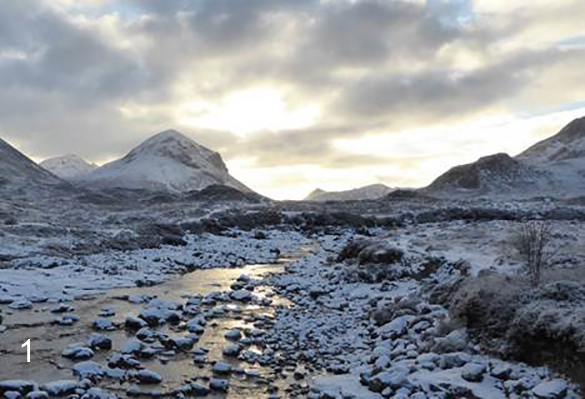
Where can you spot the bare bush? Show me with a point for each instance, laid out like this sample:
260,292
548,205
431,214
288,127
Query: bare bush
533,241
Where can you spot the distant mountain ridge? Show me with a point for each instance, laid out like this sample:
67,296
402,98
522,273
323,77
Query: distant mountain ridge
68,167
373,191
166,161
552,167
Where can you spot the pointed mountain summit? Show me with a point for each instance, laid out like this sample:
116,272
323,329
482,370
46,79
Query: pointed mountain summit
16,169
373,191
68,167
166,161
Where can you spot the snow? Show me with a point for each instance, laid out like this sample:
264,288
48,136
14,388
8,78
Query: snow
68,167
169,161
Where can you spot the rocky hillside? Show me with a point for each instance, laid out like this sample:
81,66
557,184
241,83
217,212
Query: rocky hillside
554,167
18,171
373,191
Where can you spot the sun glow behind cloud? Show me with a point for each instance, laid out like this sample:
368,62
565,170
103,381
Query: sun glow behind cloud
247,111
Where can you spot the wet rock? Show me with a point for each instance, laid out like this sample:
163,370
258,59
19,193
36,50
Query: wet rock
134,323
233,335
232,350
241,295
123,361
148,377
131,347
222,368
21,386
12,395
99,341
555,389
219,385
473,372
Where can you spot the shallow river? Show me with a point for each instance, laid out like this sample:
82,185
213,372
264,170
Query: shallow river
48,340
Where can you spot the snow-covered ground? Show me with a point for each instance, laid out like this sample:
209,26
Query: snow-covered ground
338,322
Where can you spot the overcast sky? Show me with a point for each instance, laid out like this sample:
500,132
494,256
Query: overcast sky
295,94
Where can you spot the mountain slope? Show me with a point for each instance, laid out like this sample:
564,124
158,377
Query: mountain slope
167,161
68,167
17,170
373,191
553,167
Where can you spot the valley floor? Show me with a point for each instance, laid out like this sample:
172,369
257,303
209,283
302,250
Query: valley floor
342,312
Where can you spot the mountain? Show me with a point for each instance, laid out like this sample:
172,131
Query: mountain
373,191
168,161
553,167
68,167
18,171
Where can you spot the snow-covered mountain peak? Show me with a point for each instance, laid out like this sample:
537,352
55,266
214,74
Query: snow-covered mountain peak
167,160
68,167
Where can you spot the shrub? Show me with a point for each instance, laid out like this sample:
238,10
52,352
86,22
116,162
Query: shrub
533,241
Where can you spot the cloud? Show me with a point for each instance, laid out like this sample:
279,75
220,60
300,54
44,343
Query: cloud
98,76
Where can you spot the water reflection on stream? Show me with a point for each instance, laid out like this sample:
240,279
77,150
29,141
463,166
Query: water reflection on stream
48,340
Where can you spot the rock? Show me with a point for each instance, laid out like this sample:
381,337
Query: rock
241,295
21,304
473,372
103,325
88,369
76,352
396,328
96,393
12,395
60,388
37,395
99,341
456,341
148,377
219,385
395,378
555,389
452,360
501,371
233,335
131,347
222,368
21,386
232,350
134,323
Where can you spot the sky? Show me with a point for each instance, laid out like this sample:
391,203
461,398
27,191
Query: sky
295,94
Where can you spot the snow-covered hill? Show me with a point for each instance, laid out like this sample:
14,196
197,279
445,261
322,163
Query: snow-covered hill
167,161
68,167
554,167
17,170
373,191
